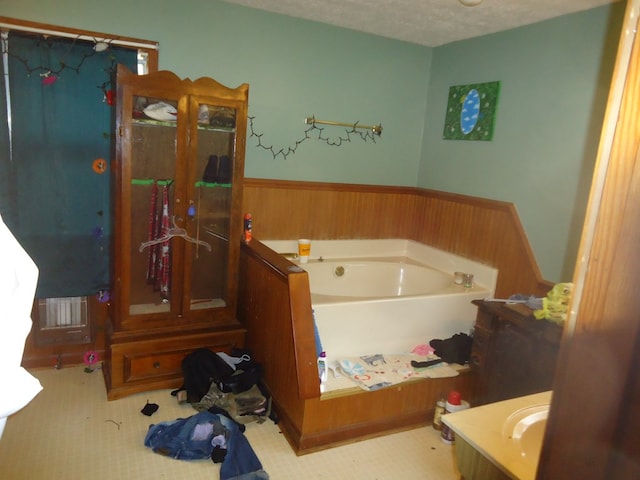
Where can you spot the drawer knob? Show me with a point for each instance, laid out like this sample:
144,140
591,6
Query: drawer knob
156,364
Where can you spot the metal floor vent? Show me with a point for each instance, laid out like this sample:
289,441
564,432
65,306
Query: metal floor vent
62,320
62,312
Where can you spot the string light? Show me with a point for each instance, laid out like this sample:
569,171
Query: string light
50,74
55,70
309,134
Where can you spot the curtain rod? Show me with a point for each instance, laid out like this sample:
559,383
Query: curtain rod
44,31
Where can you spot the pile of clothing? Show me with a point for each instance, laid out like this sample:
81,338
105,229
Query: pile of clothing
208,435
230,383
556,304
225,390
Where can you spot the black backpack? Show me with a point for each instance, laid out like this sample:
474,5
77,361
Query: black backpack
203,367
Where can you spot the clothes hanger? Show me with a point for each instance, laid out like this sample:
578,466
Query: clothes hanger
174,231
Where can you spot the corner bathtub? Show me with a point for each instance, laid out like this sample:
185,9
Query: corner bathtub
387,296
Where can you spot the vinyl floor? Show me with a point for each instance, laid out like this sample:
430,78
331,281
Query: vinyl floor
70,431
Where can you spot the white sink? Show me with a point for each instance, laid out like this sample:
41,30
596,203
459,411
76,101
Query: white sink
525,429
506,435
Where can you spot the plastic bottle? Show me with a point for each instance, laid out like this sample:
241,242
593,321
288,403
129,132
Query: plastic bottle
322,367
437,413
454,403
247,228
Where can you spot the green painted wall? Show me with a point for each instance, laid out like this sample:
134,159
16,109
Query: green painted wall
294,68
554,82
555,79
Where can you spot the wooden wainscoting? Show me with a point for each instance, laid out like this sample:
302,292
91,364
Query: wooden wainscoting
488,231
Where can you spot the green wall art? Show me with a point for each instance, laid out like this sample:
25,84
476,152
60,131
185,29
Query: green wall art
471,111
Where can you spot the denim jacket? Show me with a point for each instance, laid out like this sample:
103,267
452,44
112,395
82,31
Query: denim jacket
191,439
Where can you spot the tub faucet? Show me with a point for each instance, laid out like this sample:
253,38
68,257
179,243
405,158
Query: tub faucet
290,255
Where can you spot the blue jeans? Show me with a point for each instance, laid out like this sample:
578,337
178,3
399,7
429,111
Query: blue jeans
190,439
241,462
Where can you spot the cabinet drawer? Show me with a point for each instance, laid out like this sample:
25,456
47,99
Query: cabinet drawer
481,339
477,360
140,365
480,346
154,365
485,321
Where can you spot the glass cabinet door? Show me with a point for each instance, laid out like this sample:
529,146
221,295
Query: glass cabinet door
152,166
210,206
180,151
181,205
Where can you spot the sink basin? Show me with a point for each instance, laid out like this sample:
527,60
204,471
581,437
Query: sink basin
525,428
504,438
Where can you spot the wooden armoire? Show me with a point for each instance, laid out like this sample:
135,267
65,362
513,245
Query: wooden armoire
179,165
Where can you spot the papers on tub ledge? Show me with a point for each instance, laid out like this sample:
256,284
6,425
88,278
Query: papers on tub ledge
372,372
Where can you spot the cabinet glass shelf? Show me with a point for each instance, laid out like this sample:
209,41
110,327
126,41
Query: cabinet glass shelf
172,124
150,181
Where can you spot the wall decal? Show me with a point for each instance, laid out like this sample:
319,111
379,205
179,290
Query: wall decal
471,111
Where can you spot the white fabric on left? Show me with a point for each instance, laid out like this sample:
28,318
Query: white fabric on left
18,280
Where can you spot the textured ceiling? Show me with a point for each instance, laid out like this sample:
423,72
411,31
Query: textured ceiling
425,22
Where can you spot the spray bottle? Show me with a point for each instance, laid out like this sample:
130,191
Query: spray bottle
247,228
322,367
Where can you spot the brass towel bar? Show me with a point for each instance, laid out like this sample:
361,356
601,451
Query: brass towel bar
375,129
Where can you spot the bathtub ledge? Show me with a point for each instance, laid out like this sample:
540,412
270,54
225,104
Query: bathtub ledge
343,386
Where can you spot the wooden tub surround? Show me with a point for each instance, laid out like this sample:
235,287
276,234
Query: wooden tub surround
274,301
275,307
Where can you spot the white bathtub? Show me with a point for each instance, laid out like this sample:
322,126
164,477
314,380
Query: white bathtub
364,278
390,296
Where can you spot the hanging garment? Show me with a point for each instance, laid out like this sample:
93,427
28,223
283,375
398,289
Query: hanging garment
164,259
153,220
157,232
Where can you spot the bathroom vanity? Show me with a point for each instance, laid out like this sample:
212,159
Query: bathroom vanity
513,353
501,440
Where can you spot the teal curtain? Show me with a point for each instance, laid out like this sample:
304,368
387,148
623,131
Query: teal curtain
51,197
